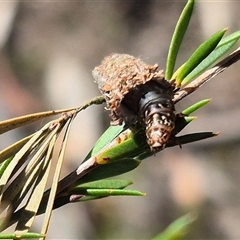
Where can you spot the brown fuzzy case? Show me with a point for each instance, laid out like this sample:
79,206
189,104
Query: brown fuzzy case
117,75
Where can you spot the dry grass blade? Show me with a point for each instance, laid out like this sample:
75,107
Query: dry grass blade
13,149
55,181
207,75
31,208
14,123
10,124
24,180
30,169
24,174
24,151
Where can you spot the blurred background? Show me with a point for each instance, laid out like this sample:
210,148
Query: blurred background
48,50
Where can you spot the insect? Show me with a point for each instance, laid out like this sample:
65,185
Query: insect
137,92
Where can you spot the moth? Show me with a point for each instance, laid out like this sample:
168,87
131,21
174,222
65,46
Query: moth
137,93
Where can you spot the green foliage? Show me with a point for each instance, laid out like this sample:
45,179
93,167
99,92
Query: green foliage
198,56
222,48
177,38
177,229
28,235
117,151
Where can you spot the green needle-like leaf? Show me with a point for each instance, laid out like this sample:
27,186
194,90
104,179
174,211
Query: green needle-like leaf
224,45
178,229
113,192
197,57
188,138
177,38
92,194
131,147
111,133
195,107
101,193
104,188
193,137
29,235
4,165
105,183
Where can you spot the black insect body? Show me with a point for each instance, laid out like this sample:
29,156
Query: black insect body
152,103
137,92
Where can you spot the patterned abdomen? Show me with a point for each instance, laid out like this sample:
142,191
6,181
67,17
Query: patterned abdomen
159,119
